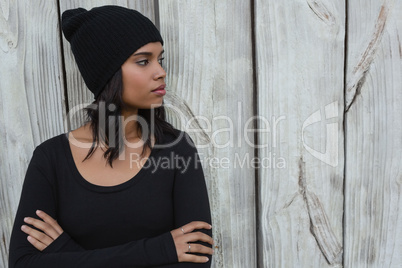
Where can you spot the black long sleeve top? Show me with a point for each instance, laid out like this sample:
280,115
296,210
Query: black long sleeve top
126,225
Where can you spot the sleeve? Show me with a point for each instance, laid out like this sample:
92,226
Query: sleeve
190,196
39,192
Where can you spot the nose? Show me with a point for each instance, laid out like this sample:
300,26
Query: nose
159,72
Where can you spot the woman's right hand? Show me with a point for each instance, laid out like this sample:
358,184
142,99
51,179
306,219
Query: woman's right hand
49,230
184,236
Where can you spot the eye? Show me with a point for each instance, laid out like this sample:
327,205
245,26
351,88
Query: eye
146,62
143,62
161,61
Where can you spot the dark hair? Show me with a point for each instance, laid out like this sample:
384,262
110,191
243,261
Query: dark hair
109,131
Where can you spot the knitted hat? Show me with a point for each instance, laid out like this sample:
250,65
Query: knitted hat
103,38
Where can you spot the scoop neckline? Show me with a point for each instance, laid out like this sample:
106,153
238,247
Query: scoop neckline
100,188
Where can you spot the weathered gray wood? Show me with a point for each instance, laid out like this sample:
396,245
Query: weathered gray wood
209,64
299,69
373,200
300,54
78,94
31,96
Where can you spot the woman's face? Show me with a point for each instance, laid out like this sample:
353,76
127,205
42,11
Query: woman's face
142,73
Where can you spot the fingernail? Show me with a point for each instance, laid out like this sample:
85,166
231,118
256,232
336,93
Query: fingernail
210,226
38,211
23,227
206,259
26,219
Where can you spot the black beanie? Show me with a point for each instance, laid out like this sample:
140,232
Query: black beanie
103,38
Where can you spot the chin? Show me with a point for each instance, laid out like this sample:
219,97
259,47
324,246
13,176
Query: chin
156,105
153,106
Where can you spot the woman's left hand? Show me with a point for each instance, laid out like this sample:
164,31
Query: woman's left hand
51,230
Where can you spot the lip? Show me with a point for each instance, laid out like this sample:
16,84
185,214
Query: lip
161,87
160,90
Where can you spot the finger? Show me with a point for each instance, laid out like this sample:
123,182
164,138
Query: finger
199,236
194,258
189,227
198,248
50,221
37,235
37,244
45,227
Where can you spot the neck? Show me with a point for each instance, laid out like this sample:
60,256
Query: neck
131,125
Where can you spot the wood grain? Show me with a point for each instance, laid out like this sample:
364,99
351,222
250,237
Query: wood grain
300,54
373,200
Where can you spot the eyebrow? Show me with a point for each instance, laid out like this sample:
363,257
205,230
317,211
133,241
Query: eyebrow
147,53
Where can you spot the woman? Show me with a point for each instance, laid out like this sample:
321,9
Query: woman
126,189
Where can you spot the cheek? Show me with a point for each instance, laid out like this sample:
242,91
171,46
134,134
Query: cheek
133,82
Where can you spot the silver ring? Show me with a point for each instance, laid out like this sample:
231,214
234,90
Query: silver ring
189,247
182,230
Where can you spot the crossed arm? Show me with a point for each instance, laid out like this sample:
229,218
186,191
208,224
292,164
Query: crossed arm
51,230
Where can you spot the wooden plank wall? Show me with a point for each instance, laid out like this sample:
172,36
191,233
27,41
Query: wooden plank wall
321,79
299,55
373,95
